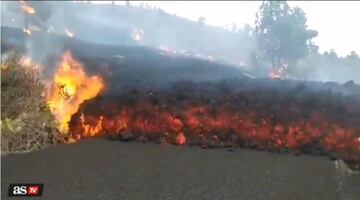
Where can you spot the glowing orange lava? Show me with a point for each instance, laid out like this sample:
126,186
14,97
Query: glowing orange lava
226,123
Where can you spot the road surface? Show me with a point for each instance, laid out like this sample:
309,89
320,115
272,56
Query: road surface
96,169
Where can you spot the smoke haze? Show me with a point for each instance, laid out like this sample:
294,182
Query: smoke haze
152,27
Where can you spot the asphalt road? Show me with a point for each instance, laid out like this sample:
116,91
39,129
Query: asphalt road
102,169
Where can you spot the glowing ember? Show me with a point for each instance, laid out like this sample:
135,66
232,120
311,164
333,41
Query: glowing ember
137,35
167,51
279,73
26,8
34,28
180,139
71,87
27,31
27,62
205,57
69,33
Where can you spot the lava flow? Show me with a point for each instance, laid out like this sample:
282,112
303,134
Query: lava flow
208,114
248,118
70,87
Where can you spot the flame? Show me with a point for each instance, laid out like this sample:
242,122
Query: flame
30,29
34,28
228,122
26,8
161,118
69,33
180,139
27,31
71,86
167,51
27,62
279,73
138,35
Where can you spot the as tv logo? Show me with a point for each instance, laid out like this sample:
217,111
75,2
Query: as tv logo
25,190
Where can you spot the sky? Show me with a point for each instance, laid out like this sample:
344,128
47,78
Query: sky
338,22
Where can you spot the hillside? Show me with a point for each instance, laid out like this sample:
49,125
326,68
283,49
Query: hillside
117,24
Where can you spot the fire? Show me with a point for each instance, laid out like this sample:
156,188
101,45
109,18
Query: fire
34,28
26,61
69,33
180,139
167,51
30,29
71,86
279,73
227,123
26,8
207,117
27,31
30,64
138,35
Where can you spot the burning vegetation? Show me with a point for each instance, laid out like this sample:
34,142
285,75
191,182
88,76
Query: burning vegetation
69,33
26,8
70,87
137,35
279,73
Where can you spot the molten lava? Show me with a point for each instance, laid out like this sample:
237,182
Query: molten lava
227,120
70,87
210,115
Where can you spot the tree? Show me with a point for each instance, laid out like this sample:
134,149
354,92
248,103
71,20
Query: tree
332,55
353,56
282,33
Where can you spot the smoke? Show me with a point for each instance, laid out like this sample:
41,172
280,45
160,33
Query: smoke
327,68
152,27
114,24
38,45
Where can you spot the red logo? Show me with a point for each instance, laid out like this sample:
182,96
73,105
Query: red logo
33,190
